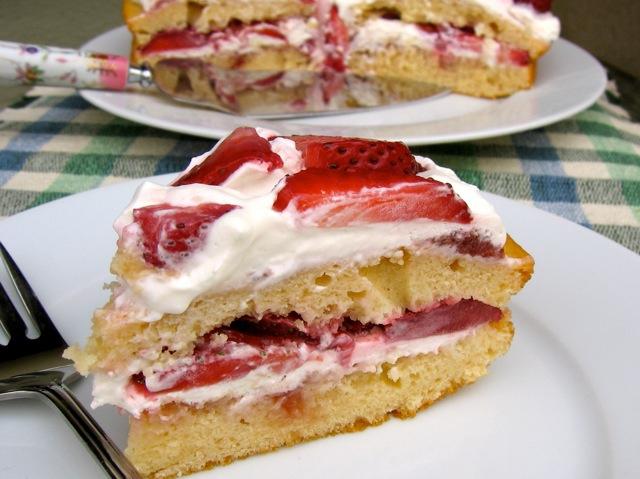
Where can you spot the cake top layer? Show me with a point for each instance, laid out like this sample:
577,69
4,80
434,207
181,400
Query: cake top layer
259,208
533,15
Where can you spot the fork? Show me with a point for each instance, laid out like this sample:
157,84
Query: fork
48,384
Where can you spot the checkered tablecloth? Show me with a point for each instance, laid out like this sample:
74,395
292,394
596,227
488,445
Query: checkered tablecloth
586,169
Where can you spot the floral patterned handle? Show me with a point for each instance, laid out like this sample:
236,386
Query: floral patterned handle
38,65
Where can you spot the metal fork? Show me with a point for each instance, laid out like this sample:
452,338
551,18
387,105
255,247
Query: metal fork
48,384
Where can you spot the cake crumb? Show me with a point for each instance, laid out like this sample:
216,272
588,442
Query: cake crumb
393,374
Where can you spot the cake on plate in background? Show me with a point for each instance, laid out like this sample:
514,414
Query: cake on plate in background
205,48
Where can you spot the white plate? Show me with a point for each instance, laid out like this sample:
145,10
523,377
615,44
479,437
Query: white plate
569,80
563,403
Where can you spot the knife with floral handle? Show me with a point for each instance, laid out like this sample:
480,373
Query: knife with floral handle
41,65
323,93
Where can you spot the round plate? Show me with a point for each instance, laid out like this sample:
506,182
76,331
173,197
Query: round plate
569,80
563,402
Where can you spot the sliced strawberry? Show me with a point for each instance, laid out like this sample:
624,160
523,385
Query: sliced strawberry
355,154
213,366
518,57
444,319
334,198
268,81
541,6
243,145
269,330
336,38
332,82
268,30
277,344
170,233
471,243
280,347
428,27
174,40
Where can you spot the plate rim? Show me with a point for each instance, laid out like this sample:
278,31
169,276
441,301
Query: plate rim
94,98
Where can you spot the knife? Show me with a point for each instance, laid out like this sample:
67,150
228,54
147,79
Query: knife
265,94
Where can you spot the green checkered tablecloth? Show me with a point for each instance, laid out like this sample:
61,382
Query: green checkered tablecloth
586,168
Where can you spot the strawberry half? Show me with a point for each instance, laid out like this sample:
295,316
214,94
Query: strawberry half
243,145
334,198
171,233
355,154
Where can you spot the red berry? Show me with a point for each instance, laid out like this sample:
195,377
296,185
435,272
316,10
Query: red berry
334,198
541,6
356,154
519,57
268,81
170,233
269,30
336,41
174,40
428,27
242,146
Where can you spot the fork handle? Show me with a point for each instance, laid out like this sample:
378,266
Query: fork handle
112,460
101,446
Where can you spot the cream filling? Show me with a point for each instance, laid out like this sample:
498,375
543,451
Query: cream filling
297,32
379,34
319,367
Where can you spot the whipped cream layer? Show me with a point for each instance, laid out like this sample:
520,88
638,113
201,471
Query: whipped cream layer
318,367
380,33
254,246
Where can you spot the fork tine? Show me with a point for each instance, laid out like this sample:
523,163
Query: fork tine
10,318
13,325
30,301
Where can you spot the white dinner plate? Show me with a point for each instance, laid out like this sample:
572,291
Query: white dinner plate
569,80
562,404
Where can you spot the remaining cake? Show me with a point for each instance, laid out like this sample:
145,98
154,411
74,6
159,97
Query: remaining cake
288,288
204,49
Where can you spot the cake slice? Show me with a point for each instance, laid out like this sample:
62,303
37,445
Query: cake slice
287,288
486,48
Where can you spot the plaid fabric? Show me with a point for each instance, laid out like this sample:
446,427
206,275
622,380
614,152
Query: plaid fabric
586,169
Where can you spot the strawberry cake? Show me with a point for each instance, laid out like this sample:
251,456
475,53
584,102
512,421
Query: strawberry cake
288,288
207,49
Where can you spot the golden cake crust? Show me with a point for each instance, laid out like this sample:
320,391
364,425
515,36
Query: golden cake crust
462,75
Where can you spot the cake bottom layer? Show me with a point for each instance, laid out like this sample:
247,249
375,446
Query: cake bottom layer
462,75
180,439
